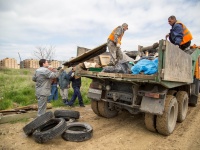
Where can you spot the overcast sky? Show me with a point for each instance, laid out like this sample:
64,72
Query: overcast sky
66,24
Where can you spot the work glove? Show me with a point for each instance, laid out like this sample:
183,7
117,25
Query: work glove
72,75
118,45
166,36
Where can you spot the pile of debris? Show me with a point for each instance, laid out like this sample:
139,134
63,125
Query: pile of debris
98,59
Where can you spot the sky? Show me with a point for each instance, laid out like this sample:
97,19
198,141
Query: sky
66,24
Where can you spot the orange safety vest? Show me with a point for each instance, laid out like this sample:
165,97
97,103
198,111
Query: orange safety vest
187,36
112,36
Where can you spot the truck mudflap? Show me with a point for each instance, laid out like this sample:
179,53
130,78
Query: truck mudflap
153,105
94,94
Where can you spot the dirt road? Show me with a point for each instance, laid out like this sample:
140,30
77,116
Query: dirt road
124,132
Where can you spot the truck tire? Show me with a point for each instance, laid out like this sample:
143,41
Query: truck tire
182,98
50,130
150,122
171,92
193,100
166,122
94,106
105,111
37,122
77,132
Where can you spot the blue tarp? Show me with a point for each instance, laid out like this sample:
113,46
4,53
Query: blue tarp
147,66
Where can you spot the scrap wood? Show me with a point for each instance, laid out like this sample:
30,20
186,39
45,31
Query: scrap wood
23,109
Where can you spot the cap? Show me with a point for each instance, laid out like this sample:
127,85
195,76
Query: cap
124,24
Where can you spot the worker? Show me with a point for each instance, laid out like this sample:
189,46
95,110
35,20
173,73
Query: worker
64,85
179,34
114,43
42,77
76,85
54,88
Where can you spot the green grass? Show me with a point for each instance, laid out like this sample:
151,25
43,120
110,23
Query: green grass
18,89
20,120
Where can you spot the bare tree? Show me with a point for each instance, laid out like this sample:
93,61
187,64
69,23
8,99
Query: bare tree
45,53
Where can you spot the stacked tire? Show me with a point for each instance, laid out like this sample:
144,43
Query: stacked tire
60,123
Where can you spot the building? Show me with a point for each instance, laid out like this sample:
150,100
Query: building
9,63
31,63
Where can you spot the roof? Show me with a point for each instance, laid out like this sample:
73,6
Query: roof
87,55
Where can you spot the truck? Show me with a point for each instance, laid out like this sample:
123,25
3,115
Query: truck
163,97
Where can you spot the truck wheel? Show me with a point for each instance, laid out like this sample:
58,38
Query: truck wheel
182,98
94,106
171,92
193,100
166,122
105,111
150,122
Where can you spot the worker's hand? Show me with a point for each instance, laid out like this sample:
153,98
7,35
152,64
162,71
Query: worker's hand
72,75
166,36
118,45
177,46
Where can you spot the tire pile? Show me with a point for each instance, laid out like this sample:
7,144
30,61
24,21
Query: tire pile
60,123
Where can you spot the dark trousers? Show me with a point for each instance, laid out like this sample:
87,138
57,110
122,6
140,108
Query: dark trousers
184,46
76,94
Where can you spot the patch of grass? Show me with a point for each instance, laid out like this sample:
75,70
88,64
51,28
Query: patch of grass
20,120
18,89
5,104
57,103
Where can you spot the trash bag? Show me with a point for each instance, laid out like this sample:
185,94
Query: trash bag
147,66
120,67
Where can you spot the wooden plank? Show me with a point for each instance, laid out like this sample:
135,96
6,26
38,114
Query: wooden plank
15,117
178,64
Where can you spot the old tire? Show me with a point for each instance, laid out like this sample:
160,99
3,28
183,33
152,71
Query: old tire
105,111
150,122
166,122
67,114
182,98
50,130
77,132
94,106
37,122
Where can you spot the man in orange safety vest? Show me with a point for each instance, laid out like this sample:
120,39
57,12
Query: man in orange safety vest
114,43
179,33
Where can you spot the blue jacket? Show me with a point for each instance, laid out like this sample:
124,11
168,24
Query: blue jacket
176,34
63,80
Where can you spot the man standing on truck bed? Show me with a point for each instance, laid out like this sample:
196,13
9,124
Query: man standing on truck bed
114,43
179,34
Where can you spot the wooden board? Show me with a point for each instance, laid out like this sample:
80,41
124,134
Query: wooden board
177,64
104,59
